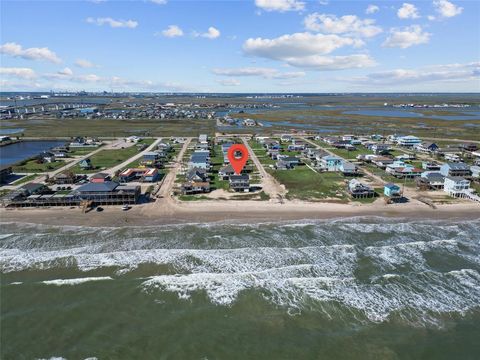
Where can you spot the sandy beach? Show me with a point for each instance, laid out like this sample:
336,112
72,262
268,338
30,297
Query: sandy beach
169,211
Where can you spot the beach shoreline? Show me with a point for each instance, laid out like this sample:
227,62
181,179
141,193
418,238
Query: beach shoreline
170,212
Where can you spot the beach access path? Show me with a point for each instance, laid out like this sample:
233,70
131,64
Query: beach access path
269,185
169,181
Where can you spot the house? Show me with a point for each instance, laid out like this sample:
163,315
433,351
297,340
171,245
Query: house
430,180
299,146
202,138
392,191
455,169
359,190
108,193
195,187
380,149
100,177
404,157
47,157
452,157
201,146
401,170
34,188
240,182
469,147
286,138
85,164
249,122
143,175
199,159
348,169
150,156
225,172
330,163
197,175
430,166
426,147
454,185
133,139
408,140
382,161
475,170
65,178
286,162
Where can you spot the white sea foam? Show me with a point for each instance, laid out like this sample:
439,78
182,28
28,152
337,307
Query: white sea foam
413,297
60,282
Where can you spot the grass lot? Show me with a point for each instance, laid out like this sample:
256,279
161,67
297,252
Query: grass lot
107,158
216,160
31,166
81,151
305,184
261,153
350,154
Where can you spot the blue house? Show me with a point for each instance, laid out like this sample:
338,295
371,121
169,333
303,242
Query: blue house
331,163
391,190
150,156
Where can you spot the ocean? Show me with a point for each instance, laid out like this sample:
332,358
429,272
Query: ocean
358,288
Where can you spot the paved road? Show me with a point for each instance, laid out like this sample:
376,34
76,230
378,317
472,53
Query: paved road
269,184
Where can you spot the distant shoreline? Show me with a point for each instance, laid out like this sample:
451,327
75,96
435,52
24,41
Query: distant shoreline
170,212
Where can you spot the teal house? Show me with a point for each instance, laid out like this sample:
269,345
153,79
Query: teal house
391,190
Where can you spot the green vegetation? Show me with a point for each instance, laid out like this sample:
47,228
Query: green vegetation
350,154
305,184
107,159
193,197
30,166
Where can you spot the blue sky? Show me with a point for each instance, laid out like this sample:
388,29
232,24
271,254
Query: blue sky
240,46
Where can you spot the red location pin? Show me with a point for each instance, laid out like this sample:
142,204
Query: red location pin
238,156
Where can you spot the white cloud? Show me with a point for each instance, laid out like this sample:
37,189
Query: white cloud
24,73
16,50
229,82
372,9
430,74
306,50
447,9
66,71
297,45
172,31
347,24
323,63
408,11
267,73
131,24
83,63
280,5
212,33
409,36
159,2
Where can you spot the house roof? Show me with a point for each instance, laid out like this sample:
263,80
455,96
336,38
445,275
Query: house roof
106,186
100,176
455,178
32,187
243,177
392,186
457,166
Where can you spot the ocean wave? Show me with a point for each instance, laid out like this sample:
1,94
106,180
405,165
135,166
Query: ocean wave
415,298
77,281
